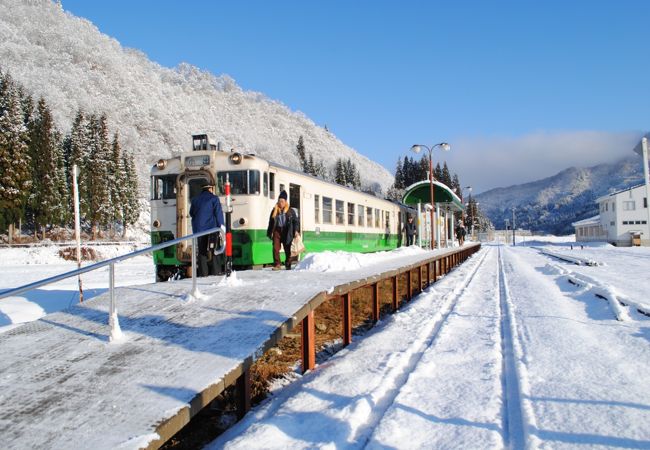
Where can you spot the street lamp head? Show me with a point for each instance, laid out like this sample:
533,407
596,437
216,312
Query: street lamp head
417,148
444,146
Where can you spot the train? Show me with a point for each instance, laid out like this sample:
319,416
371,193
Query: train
332,217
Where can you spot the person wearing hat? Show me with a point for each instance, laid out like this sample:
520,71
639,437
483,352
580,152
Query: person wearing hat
206,213
283,227
411,230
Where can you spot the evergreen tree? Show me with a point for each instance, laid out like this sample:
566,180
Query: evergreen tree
302,157
437,173
399,175
339,172
311,170
423,168
45,150
118,184
455,186
15,162
78,154
97,166
446,176
131,207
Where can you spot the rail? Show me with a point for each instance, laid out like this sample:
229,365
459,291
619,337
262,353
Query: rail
113,322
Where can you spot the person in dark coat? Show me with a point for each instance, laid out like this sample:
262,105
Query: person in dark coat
206,213
411,230
460,233
283,227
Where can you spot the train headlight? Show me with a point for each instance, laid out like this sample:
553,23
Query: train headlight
161,164
243,221
235,158
156,223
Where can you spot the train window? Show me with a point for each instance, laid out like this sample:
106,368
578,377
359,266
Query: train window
254,182
350,213
360,220
387,224
340,212
272,185
317,208
195,186
377,218
241,182
368,216
327,210
163,187
265,185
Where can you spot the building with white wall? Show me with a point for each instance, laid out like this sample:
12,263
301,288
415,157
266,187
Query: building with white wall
624,217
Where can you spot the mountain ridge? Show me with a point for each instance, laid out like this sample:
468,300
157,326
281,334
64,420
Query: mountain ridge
551,204
69,62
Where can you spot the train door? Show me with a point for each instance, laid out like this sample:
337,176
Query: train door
189,185
294,201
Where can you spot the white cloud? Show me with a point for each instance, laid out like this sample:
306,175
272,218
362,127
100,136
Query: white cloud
499,161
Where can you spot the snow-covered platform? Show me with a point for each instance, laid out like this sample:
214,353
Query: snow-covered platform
63,385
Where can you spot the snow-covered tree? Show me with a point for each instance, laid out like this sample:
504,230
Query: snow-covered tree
117,181
131,207
97,167
302,157
47,203
15,162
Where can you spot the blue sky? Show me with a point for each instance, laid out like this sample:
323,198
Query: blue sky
520,89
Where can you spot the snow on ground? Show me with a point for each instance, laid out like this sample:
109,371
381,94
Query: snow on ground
21,266
501,353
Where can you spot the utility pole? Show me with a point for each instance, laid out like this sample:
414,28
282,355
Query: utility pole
513,226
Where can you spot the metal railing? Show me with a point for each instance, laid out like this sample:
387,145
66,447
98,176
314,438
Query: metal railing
114,324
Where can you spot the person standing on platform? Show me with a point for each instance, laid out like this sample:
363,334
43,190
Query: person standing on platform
411,230
283,227
206,213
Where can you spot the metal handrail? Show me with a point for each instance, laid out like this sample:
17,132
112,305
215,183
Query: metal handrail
111,263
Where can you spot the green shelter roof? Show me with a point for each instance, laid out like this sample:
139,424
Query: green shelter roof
420,192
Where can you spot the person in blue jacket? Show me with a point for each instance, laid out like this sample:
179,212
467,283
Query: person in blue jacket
206,213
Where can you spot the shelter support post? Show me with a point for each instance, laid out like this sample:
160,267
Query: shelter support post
308,343
243,387
347,319
395,295
375,302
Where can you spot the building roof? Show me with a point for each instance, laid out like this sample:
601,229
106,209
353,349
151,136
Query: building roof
606,196
595,220
420,192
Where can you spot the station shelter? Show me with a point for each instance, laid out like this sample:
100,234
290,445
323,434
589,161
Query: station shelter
446,204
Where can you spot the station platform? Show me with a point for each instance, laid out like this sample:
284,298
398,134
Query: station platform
63,385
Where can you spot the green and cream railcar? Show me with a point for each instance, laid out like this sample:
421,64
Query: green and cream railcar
332,217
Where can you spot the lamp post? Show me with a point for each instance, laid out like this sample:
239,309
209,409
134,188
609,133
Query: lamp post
417,148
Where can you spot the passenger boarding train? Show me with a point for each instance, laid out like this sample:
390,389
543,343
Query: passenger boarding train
332,217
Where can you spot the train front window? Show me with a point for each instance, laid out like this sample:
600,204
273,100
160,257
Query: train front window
242,182
163,187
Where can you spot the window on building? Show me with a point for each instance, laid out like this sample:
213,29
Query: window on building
351,214
327,210
360,220
612,223
638,222
629,205
645,202
317,208
606,206
644,222
368,216
340,212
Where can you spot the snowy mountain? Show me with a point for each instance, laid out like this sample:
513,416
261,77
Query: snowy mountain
69,62
551,204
